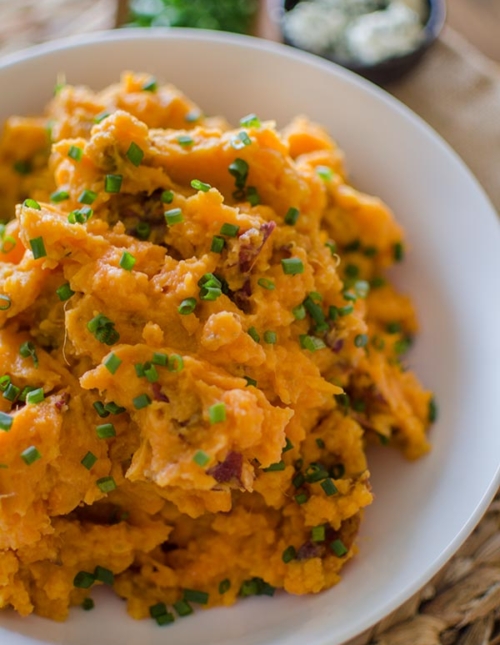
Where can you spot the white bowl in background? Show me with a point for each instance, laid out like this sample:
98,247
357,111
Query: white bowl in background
424,510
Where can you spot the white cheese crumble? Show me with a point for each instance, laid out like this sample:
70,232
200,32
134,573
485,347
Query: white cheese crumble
364,31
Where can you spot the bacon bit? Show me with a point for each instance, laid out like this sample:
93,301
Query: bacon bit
249,253
241,297
335,344
158,394
311,550
228,469
62,401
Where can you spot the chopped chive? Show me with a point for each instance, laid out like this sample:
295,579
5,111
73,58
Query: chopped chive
75,153
87,197
210,293
358,405
165,619
157,610
398,252
377,282
23,167
384,439
270,337
362,288
83,580
250,381
338,547
5,381
301,499
112,363
433,411
253,196
370,251
167,196
218,244
151,85
31,203
135,154
217,413
174,216
240,140
5,302
316,312
199,597
127,261
11,392
113,408
175,363
318,534
289,554
65,292
192,116
101,116
299,480
253,333
292,216
88,604
324,172
361,340
332,246
348,295
239,169
200,185
393,328
351,271
59,196
337,471
6,421
312,343
292,266
25,392
113,183
106,484
343,400
353,246
141,401
139,370
104,575
35,396
183,608
38,248
81,215
201,458
160,359
89,460
185,140
345,311
329,487
187,306
27,349
105,431
30,455
299,312
143,230
100,409
151,373
402,345
229,230
266,284
103,329
315,473
224,586
250,121
273,468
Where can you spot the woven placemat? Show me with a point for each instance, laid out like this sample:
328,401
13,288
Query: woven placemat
457,91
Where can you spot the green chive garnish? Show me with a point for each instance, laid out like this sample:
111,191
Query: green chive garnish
288,445
38,248
183,608
361,340
200,185
83,580
338,547
324,172
218,244
318,534
315,473
135,154
289,554
329,487
112,363
345,311
362,288
112,408
201,458
250,121
160,359
88,604
89,460
141,401
143,230
240,140
332,246
6,421
167,197
273,468
253,196
270,337
217,413
187,306
101,116
266,284
59,196
250,381
35,396
229,230
292,216
100,409
113,183
12,392
352,271
23,167
157,610
151,373
192,116
239,169
393,328
320,443
377,282
103,329
127,261
65,292
370,251
75,153
185,140
299,312
175,363
312,343
199,597
301,499
31,203
106,484
433,410
30,455
27,349
337,471
151,85
253,333
398,252
292,266
87,197
81,215
5,302
299,480
104,575
105,431
174,216
224,586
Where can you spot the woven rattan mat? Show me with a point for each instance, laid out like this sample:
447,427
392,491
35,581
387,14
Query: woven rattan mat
457,91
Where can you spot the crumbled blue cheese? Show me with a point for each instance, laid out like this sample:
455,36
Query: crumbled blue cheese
363,31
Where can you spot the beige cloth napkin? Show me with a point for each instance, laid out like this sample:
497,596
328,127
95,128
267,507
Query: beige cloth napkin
457,91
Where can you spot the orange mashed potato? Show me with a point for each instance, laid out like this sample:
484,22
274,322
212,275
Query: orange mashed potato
196,342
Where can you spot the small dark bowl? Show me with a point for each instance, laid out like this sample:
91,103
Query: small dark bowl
390,69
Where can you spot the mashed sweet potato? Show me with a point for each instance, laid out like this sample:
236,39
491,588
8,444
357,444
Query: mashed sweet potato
196,342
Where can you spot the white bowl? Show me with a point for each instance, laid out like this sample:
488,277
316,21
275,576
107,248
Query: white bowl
424,510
